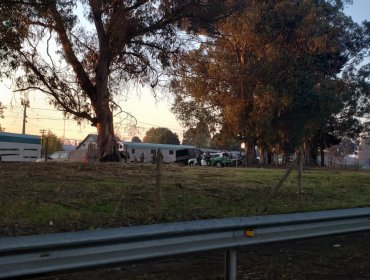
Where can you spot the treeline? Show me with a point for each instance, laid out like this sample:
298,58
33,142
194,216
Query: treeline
281,75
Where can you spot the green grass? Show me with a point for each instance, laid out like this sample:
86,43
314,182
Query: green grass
41,198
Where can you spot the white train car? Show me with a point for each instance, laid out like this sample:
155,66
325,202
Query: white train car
19,147
145,151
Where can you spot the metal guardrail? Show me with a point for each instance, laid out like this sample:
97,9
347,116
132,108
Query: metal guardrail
40,254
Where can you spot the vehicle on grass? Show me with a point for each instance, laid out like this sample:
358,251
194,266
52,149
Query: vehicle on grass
207,156
193,161
59,156
221,160
19,147
203,159
218,159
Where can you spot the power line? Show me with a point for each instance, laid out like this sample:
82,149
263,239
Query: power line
57,119
62,120
35,108
155,125
39,118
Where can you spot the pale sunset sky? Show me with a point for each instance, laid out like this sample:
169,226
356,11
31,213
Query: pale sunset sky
148,112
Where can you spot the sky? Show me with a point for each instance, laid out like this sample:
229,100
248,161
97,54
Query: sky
148,111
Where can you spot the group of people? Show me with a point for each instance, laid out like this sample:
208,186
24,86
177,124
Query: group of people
205,156
141,159
153,158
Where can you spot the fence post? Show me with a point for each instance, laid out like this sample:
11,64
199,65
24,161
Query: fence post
230,264
46,148
159,159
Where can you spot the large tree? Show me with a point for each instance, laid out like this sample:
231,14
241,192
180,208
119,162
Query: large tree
353,101
271,76
161,135
83,53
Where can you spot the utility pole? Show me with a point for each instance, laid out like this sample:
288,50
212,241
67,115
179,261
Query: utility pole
42,132
25,103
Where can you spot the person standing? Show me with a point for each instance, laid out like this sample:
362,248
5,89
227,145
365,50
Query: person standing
199,159
142,158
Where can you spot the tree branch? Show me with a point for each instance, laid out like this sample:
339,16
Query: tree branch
52,92
81,74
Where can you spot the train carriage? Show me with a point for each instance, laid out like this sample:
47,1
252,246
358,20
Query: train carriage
146,151
19,147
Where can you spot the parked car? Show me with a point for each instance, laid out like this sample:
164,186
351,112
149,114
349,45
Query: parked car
205,159
221,160
197,160
192,161
56,156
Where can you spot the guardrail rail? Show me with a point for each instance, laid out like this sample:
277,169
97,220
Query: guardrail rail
50,253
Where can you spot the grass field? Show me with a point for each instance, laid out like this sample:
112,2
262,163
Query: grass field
57,197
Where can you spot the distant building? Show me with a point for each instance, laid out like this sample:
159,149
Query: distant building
91,141
86,150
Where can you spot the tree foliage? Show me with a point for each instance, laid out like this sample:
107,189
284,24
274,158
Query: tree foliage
82,54
161,135
198,136
51,143
271,77
136,139
224,140
346,147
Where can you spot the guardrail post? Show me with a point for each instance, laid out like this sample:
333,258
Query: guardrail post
230,264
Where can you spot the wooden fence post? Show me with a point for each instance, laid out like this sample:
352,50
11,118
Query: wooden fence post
159,158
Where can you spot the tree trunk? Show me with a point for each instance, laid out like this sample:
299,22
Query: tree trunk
285,160
101,98
263,156
314,156
270,158
322,157
104,115
307,153
106,140
250,153
261,152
